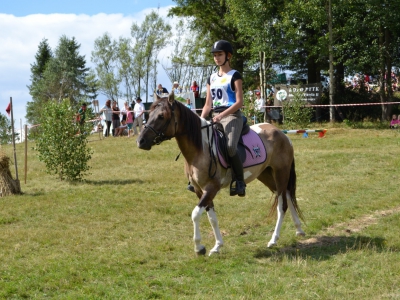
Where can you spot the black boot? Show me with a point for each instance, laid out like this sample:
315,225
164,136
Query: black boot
237,168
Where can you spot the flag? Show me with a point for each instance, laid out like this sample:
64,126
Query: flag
8,109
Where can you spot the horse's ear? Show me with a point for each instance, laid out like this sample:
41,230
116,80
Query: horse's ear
156,97
171,97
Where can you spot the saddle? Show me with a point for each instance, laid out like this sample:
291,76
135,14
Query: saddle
251,149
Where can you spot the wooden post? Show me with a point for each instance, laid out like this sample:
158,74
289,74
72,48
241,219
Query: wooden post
13,139
26,150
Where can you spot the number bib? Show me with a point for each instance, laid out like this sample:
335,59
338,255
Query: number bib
221,89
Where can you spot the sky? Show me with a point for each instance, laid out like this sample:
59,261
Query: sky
25,23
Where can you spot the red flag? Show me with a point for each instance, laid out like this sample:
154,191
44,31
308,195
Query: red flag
8,109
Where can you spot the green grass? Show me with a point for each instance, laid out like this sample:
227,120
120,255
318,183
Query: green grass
126,232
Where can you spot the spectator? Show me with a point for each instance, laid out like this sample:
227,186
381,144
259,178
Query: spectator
395,122
115,116
175,88
107,116
119,131
138,111
195,89
366,83
161,90
355,82
259,108
394,81
129,118
82,114
268,109
188,105
124,110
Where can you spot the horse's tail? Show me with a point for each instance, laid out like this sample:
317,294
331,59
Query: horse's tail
291,187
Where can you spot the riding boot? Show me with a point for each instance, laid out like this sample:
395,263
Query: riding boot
237,168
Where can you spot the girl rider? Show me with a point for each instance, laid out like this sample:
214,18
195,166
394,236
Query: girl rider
225,96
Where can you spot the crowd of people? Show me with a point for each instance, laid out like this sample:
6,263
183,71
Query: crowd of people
368,82
124,122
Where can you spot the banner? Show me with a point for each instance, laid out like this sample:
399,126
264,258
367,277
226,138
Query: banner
310,93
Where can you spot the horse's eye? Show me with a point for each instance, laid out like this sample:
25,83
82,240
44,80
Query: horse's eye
161,116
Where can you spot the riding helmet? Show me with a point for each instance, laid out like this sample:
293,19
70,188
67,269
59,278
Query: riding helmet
222,45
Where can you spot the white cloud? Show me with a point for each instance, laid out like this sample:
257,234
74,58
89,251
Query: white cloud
21,36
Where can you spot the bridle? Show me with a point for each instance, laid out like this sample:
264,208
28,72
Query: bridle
160,136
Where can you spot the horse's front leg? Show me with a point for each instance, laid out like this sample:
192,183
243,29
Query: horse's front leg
212,217
205,200
196,215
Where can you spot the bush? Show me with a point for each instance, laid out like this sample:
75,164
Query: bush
62,142
296,115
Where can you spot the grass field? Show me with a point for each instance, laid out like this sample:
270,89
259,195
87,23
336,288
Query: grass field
126,232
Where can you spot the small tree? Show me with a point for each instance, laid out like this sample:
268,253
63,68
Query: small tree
296,113
62,142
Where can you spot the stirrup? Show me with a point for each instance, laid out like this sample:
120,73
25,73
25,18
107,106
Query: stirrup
240,188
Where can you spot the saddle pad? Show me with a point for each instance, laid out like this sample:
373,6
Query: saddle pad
254,148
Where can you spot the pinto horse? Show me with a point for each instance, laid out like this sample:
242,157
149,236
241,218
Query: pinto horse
171,119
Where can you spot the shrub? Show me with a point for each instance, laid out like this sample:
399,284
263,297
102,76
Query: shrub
62,142
296,113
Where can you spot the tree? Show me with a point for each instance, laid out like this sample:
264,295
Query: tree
189,60
43,55
149,38
62,77
212,20
61,147
5,130
105,56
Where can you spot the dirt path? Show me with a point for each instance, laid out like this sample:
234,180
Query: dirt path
334,233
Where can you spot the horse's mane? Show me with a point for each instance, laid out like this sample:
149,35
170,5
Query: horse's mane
190,121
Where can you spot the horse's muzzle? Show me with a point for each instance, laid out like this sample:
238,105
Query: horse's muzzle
144,144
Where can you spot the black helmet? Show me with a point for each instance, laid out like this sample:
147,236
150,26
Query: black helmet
222,45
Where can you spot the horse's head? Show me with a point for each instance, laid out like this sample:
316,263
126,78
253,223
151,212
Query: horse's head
161,124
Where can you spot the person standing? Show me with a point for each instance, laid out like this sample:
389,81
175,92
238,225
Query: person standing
138,111
195,89
259,106
116,121
129,118
107,116
225,95
175,87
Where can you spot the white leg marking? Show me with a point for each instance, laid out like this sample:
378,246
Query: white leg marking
295,217
279,221
196,215
212,217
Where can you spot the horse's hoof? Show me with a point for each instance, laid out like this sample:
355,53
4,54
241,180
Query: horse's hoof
213,253
300,233
271,244
201,252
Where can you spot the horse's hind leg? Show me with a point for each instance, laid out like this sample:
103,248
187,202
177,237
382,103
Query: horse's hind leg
295,216
279,221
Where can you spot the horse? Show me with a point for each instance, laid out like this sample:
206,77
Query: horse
169,118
